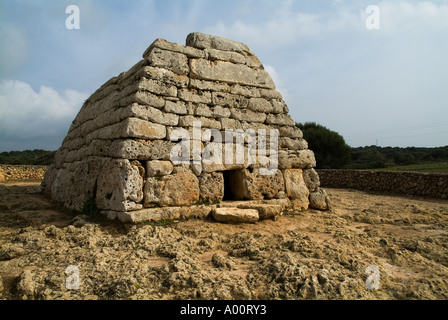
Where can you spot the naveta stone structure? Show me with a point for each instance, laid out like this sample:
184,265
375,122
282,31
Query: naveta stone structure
186,132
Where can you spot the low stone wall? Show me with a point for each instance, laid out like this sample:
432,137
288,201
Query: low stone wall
25,172
409,183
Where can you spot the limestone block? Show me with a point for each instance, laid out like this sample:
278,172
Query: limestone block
188,121
75,184
220,112
229,100
176,47
205,41
300,159
165,76
211,186
293,144
227,123
235,215
174,61
281,119
120,185
270,94
202,110
150,114
279,106
265,210
296,188
156,214
311,179
181,188
247,115
177,107
253,62
290,131
209,85
147,98
157,87
214,54
157,168
133,128
246,91
230,73
319,199
192,95
253,186
140,149
260,105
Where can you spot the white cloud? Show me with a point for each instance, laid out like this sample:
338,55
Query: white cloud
26,114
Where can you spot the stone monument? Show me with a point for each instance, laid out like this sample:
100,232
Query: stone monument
187,132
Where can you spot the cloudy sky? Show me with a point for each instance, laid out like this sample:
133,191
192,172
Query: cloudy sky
386,86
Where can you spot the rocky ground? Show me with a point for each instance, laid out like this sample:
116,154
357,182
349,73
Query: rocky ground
305,255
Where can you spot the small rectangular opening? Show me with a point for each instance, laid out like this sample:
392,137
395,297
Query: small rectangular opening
233,185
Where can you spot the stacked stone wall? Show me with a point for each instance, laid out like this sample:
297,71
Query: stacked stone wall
409,183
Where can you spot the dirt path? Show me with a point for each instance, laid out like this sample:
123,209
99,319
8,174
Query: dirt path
308,255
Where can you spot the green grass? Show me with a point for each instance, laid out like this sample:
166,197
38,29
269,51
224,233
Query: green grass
421,167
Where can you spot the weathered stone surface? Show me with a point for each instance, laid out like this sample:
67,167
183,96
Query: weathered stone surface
157,87
229,100
209,85
260,105
150,114
246,91
301,159
120,185
205,41
280,119
181,188
214,54
166,76
293,144
162,213
118,152
265,210
188,121
176,47
140,149
245,184
211,187
174,61
131,128
247,115
157,168
296,188
147,98
235,215
192,95
319,199
177,107
311,179
231,73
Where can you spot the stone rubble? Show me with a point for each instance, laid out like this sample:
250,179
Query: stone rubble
118,152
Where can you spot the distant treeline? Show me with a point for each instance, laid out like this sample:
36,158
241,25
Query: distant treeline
332,152
381,157
27,157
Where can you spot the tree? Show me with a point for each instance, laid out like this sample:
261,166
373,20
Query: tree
328,146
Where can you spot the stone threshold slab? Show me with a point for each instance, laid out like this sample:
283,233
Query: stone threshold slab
266,209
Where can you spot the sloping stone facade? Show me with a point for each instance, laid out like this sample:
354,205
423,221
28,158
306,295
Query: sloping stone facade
186,127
